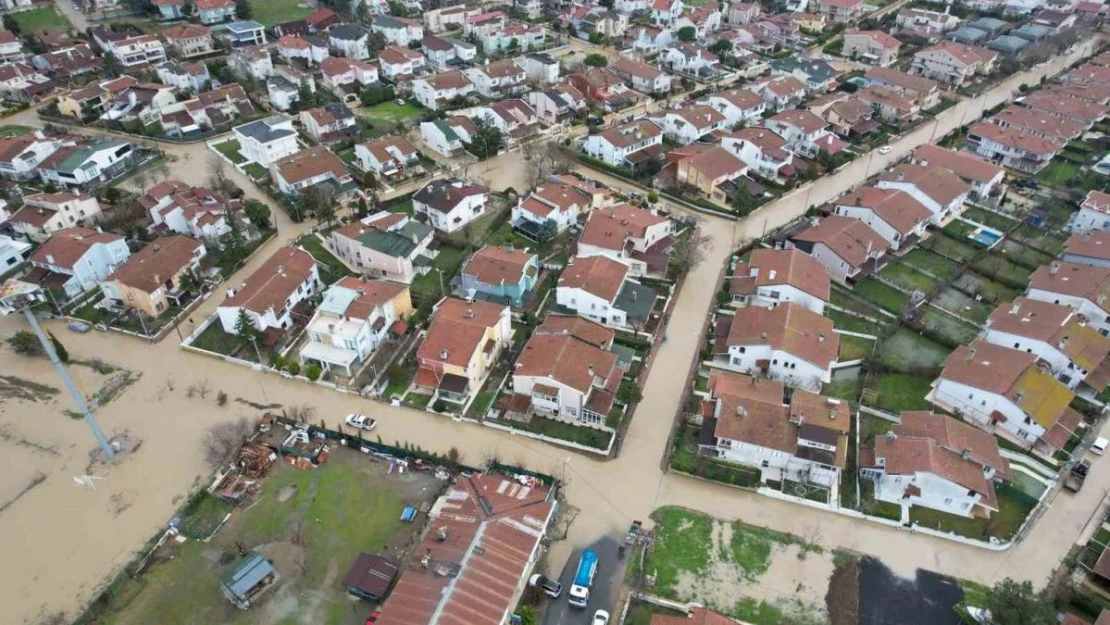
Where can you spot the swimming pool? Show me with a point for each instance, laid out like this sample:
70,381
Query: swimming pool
985,237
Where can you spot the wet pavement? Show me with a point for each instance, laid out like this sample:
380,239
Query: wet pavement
606,589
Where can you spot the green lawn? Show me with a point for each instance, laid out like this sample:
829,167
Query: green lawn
591,437
230,149
204,516
843,321
335,269
908,278
901,391
388,115
1023,255
270,12
957,250
950,327
12,130
849,301
992,292
1039,239
908,351
870,427
446,263
214,339
953,300
992,264
933,263
989,219
37,20
1013,507
1058,173
855,348
881,295
333,511
256,171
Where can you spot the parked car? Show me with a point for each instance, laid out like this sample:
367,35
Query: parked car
79,327
601,617
399,101
884,150
550,587
373,618
1099,446
361,421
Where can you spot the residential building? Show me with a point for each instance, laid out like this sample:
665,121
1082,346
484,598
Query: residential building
627,145
763,151
840,11
772,277
387,156
1083,287
87,163
192,77
463,342
817,75
739,107
788,343
781,93
308,50
450,136
540,67
215,11
687,58
151,280
1074,351
1008,393
397,30
310,167
802,130
1012,148
445,53
1094,214
1089,247
633,236
350,40
20,155
435,91
355,317
985,178
895,215
708,168
934,186
889,105
1042,125
498,79
136,50
562,204
924,91
245,34
926,23
525,37
76,259
499,274
514,118
1064,106
189,40
690,123
603,87
400,64
567,379
450,204
346,77
558,104
282,94
641,76
384,245
12,252
953,63
330,123
178,208
600,289
269,296
268,140
665,12
750,424
936,462
847,247
253,62
43,214
871,46
68,61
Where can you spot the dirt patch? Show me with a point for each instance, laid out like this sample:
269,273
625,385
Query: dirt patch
287,493
842,599
286,555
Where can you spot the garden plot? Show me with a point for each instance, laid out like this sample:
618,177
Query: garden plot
992,292
933,263
854,348
1039,239
949,327
908,278
1023,255
844,321
751,573
881,295
947,246
909,351
956,302
895,392
994,265
989,219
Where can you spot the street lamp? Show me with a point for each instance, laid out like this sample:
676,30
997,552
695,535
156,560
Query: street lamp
17,295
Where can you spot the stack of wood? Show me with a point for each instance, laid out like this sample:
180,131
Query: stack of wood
254,460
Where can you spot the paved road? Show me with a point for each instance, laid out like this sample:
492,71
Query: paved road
76,18
606,589
607,495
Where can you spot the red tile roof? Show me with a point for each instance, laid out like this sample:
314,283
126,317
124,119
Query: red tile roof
457,331
274,282
600,275
788,327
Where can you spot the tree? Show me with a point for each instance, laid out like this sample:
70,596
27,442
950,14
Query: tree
59,349
306,98
319,204
243,9
547,231
488,140
245,328
376,95
1014,603
629,393
258,214
687,34
216,173
722,48
690,251
25,343
596,60
222,440
398,8
376,43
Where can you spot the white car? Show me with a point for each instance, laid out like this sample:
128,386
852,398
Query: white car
884,150
601,617
1099,446
361,421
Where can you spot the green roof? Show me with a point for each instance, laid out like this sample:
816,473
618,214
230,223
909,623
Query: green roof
397,243
447,130
74,161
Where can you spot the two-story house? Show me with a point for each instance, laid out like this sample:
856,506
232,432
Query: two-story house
498,79
788,343
1094,213
310,167
151,280
636,237
1090,247
189,40
626,145
268,140
781,93
772,277
985,178
642,77
397,30
895,215
871,46
763,151
802,130
568,379
20,155
201,213
463,342
1012,148
924,91
500,274
839,11
450,204
740,107
269,295
708,168
355,316
937,188
387,156
600,289
557,104
43,214
1082,287
848,248
215,11
434,92
392,246
560,203
953,63
330,123
77,259
690,123
400,63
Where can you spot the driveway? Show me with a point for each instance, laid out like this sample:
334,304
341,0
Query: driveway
603,596
75,17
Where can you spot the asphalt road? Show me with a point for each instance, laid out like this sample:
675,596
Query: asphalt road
603,596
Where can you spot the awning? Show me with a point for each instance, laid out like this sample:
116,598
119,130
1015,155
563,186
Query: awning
330,354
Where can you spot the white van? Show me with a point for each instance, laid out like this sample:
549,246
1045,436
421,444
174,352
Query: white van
1099,446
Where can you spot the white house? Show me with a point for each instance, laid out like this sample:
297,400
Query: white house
400,63
251,62
43,214
497,80
739,106
20,155
397,30
1012,148
436,91
309,167
1094,213
641,76
1008,393
895,215
802,130
871,46
763,151
845,246
687,58
690,123
450,204
137,50
568,379
933,186
270,294
354,318
1082,287
347,76
350,40
772,277
195,211
804,441
94,161
386,156
1091,247
953,63
526,37
265,141
450,136
560,103
634,236
984,177
788,343
560,203
541,68
598,288
665,12
80,257
1056,335
626,144
781,93
12,252
385,245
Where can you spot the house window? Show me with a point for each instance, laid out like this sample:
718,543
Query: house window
1022,433
743,349
948,501
572,411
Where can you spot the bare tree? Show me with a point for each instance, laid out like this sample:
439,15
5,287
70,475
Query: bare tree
222,440
141,180
691,251
544,159
216,173
301,412
200,387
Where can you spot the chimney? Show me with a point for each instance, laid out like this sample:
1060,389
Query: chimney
415,239
924,162
634,295
771,274
741,411
156,247
1015,307
970,354
762,337
469,314
1053,267
901,176
443,353
821,337
590,368
50,259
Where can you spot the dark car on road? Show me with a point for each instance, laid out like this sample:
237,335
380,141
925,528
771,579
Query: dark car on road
550,587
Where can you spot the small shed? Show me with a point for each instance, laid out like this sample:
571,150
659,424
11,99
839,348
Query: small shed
967,35
1008,45
1033,32
248,578
371,576
990,25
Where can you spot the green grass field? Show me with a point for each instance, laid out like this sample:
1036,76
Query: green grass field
446,263
908,278
957,250
950,327
906,350
1013,507
881,295
387,115
270,12
37,20
933,263
1058,173
989,219
855,348
335,268
230,149
901,391
14,130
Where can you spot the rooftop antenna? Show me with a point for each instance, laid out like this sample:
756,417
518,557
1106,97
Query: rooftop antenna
17,295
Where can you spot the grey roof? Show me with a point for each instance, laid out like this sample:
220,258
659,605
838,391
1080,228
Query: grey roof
967,34
350,32
1032,32
339,111
385,21
243,26
448,132
315,41
989,24
445,194
247,573
280,83
1008,44
262,130
635,300
557,98
817,69
546,59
